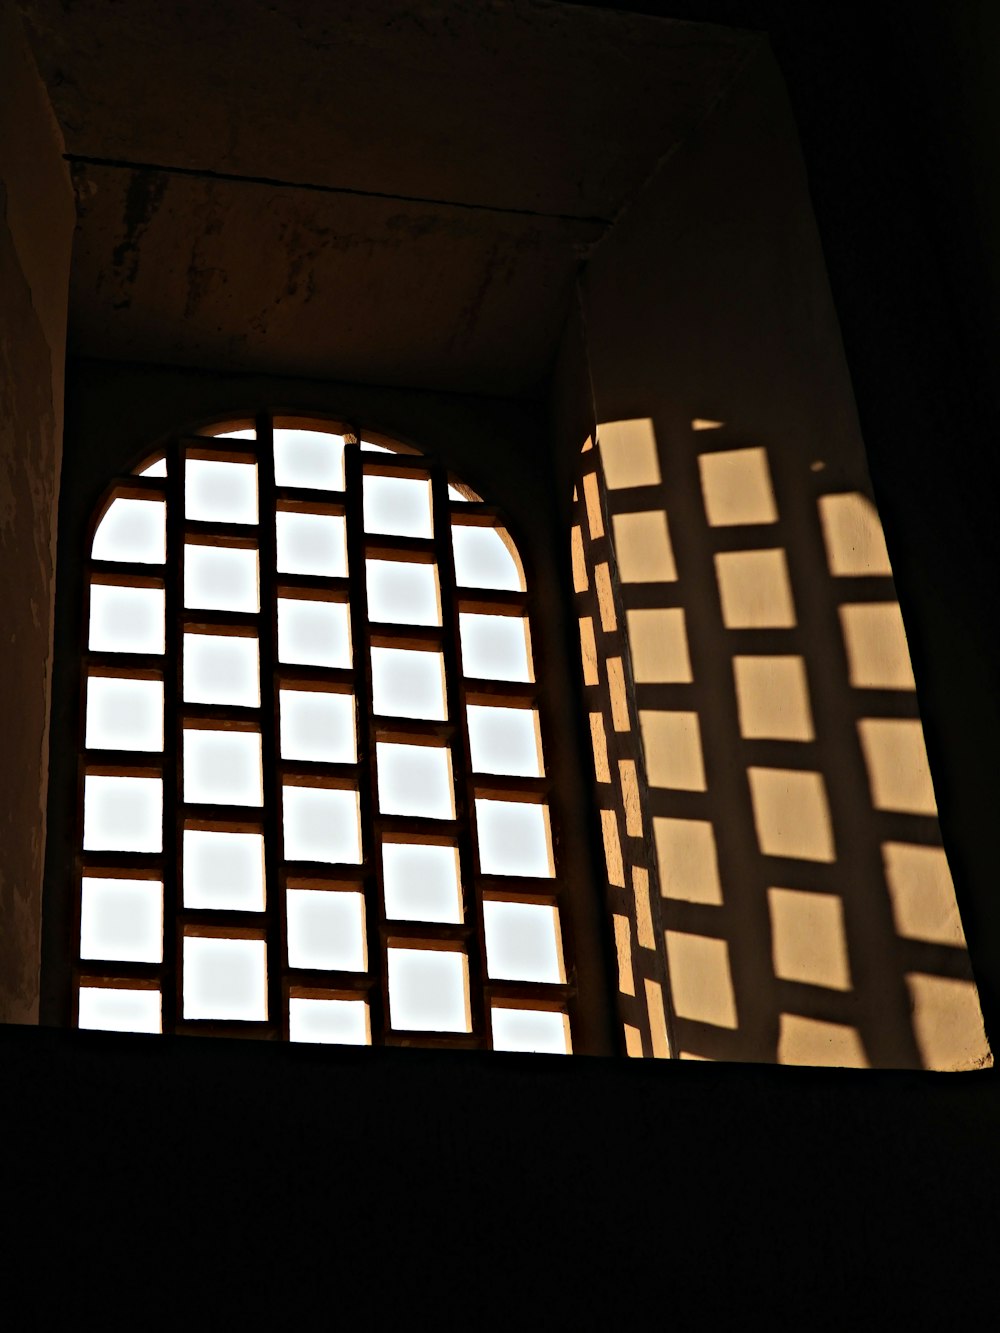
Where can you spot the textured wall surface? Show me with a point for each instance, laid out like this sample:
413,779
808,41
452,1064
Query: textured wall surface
36,222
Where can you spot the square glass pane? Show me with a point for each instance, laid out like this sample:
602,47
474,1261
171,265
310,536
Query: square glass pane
428,990
505,740
495,647
322,824
398,506
225,979
126,620
124,714
326,930
222,767
483,559
408,683
120,1010
222,669
218,492
537,1030
312,544
318,725
415,780
310,458
221,578
223,871
337,1022
404,593
514,838
522,942
421,882
133,530
314,633
121,919
122,814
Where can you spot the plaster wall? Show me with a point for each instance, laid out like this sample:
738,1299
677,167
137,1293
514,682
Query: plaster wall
36,227
819,923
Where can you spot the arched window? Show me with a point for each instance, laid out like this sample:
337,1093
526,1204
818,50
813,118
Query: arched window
313,793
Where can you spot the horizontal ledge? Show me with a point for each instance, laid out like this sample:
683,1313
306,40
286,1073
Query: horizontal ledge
137,666
121,865
239,624
498,787
552,996
319,680
105,973
499,889
138,487
414,467
233,536
199,447
416,829
383,634
414,731
410,550
511,693
329,979
126,574
204,818
312,587
445,936
230,922
491,602
306,773
123,763
307,500
475,514
219,717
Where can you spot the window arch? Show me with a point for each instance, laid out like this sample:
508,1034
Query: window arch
313,792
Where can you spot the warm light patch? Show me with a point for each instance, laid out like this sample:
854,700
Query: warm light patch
643,548
755,589
619,696
791,813
628,452
736,486
623,946
922,894
810,1041
687,860
948,1023
704,423
588,650
657,1019
671,745
643,910
630,797
896,759
659,645
605,598
700,980
633,1042
592,499
807,938
580,581
855,545
599,741
773,698
612,848
877,654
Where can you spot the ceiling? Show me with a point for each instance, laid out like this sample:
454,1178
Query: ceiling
390,193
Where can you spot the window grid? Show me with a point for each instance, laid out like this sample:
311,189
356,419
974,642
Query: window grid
280,874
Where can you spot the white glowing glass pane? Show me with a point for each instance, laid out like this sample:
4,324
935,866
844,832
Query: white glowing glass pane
221,669
408,683
309,458
421,882
514,838
122,814
504,740
326,930
222,767
334,1022
134,530
223,871
109,1009
484,560
494,647
126,620
415,780
157,469
321,824
428,990
247,433
121,919
220,492
124,714
314,633
225,979
454,494
403,592
318,726
221,578
368,448
537,1030
522,942
398,506
312,544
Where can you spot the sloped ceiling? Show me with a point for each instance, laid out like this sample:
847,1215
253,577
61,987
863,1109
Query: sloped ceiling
389,193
